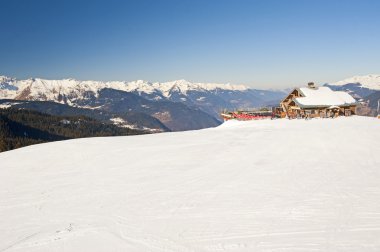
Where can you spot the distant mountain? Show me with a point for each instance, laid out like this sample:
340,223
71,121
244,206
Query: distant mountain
179,105
176,116
359,86
365,88
371,81
132,120
373,101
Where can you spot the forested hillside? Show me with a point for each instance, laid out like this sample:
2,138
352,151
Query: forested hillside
20,128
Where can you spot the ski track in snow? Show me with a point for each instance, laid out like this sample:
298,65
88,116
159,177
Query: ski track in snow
281,185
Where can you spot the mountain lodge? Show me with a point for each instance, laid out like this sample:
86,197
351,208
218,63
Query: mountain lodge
313,101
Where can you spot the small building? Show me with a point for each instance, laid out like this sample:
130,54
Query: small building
313,101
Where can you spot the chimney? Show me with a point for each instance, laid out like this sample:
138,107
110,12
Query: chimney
311,85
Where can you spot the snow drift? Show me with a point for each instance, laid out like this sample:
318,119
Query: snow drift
245,186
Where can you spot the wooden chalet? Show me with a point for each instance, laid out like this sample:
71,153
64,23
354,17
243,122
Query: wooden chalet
313,101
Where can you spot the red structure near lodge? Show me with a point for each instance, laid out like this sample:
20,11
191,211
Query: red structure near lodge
247,115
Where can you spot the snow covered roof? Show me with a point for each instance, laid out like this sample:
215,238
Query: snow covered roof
323,96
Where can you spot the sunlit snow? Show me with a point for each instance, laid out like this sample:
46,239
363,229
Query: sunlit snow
270,185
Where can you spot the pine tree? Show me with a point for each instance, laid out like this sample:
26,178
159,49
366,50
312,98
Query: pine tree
3,144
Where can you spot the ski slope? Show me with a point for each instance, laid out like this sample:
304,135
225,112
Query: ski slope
281,185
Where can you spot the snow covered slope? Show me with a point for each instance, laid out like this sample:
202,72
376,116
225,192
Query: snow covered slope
245,186
371,81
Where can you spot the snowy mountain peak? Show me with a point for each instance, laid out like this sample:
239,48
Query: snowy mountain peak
181,82
6,85
37,88
140,82
370,81
5,79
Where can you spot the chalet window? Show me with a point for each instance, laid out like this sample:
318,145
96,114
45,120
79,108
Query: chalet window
347,112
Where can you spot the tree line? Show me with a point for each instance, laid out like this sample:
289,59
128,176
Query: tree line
20,127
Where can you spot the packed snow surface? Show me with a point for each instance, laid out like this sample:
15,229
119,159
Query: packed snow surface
280,185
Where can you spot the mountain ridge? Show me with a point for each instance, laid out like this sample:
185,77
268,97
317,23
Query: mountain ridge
211,98
15,86
370,81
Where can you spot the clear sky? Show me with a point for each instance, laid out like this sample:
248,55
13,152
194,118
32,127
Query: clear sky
266,44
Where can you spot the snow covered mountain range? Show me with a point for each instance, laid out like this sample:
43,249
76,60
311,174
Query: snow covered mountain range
358,86
178,105
73,92
69,91
55,90
170,102
371,81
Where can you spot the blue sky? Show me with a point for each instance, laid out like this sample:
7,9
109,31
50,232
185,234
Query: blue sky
266,44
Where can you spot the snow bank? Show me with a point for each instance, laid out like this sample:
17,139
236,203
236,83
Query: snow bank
269,185
231,124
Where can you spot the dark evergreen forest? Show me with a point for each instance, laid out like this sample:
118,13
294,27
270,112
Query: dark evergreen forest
20,127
